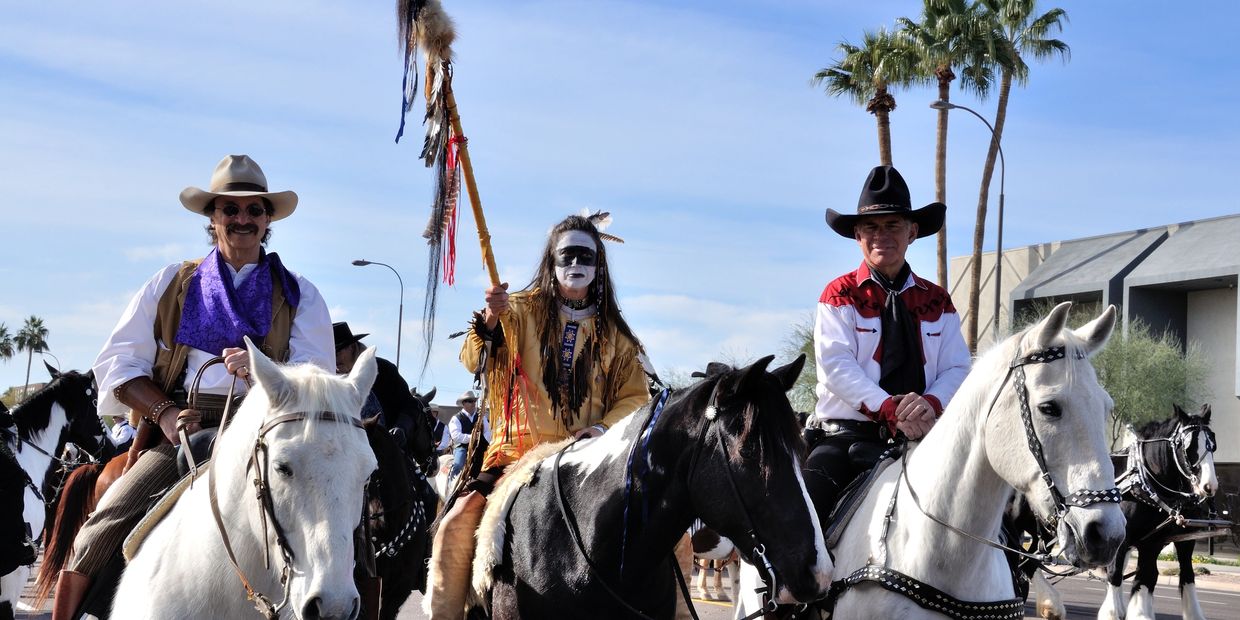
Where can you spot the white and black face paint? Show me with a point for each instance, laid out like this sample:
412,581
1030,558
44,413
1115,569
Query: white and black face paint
575,259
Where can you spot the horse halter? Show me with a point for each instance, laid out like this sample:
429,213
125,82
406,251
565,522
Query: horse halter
1080,498
1178,442
262,603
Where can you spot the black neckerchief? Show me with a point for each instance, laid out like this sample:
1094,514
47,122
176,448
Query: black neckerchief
901,369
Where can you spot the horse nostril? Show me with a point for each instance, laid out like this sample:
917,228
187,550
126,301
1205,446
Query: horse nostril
312,609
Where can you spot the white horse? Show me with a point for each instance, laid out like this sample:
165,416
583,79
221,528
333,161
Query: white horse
299,431
1030,411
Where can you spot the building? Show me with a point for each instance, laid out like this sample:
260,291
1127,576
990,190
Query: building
1179,277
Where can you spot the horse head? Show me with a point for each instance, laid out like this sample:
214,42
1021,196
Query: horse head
298,431
1046,432
421,445
1179,453
745,475
75,394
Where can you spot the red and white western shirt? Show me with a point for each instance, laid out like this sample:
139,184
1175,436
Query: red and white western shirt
848,337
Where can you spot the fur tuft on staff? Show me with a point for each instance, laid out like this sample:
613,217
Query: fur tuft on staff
425,27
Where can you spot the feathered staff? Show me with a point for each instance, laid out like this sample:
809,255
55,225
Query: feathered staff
424,25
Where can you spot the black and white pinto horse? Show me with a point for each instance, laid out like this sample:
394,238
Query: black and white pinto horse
36,431
1167,487
589,528
1030,417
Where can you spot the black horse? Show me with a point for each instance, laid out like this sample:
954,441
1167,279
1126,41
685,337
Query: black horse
401,503
1168,487
592,527
34,435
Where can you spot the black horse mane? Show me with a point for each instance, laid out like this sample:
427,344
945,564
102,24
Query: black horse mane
1164,428
33,414
776,432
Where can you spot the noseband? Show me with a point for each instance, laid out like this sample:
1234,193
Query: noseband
258,463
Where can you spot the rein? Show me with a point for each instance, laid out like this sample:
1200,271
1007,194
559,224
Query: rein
262,603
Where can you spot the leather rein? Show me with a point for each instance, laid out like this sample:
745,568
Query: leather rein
258,463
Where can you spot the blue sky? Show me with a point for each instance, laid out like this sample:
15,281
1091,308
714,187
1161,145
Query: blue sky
694,123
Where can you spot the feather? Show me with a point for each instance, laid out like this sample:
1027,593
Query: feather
601,220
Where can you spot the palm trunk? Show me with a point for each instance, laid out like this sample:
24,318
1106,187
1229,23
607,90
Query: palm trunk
884,136
979,228
940,170
26,387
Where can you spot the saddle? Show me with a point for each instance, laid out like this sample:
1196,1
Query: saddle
134,541
850,500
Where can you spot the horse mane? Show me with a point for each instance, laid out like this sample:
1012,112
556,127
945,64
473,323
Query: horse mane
316,390
34,414
1157,428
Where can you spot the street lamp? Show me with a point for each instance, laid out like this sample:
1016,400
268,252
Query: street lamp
946,105
400,317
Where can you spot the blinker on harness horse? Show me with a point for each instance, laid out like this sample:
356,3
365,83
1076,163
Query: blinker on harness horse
931,598
263,603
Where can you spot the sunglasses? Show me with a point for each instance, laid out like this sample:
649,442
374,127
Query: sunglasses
254,211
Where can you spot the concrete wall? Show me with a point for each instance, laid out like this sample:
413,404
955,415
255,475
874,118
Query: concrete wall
1212,328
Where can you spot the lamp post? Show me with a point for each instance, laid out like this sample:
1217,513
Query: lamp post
946,105
400,316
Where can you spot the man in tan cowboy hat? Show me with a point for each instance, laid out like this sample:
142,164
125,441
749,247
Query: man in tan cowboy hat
887,343
186,314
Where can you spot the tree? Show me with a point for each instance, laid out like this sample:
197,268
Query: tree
32,338
6,343
1017,34
951,34
865,74
1146,373
801,341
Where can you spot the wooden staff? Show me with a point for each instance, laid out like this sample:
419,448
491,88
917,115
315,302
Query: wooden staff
475,201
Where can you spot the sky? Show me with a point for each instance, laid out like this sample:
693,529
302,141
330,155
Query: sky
694,123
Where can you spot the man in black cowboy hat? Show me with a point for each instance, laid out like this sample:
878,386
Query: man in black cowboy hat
390,397
888,344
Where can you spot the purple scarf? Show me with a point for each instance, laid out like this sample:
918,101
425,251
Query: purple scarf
217,314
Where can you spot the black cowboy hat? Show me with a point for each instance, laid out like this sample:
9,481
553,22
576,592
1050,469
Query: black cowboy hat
885,192
344,335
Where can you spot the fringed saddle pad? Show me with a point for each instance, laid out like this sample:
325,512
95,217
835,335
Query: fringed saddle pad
490,535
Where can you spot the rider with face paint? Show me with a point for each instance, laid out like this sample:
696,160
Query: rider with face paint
572,363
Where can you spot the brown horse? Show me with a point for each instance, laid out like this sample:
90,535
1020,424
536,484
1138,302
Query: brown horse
81,493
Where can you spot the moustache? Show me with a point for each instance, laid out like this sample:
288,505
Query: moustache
243,229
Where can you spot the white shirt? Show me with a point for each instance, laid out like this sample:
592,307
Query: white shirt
121,432
460,438
130,351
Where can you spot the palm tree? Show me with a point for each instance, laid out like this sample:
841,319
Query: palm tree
866,72
6,343
32,338
1018,34
951,34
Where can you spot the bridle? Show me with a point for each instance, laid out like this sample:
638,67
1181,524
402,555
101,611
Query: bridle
65,464
1178,440
417,520
258,463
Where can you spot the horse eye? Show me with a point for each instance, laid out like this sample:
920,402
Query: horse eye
1051,409
284,470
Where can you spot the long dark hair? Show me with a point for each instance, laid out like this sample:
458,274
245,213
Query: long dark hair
546,299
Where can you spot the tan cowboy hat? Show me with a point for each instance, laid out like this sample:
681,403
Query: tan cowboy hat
238,175
468,395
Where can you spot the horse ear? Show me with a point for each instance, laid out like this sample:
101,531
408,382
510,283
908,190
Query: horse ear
428,397
1054,323
754,372
1179,412
267,374
364,370
51,370
1096,332
788,373
1205,413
